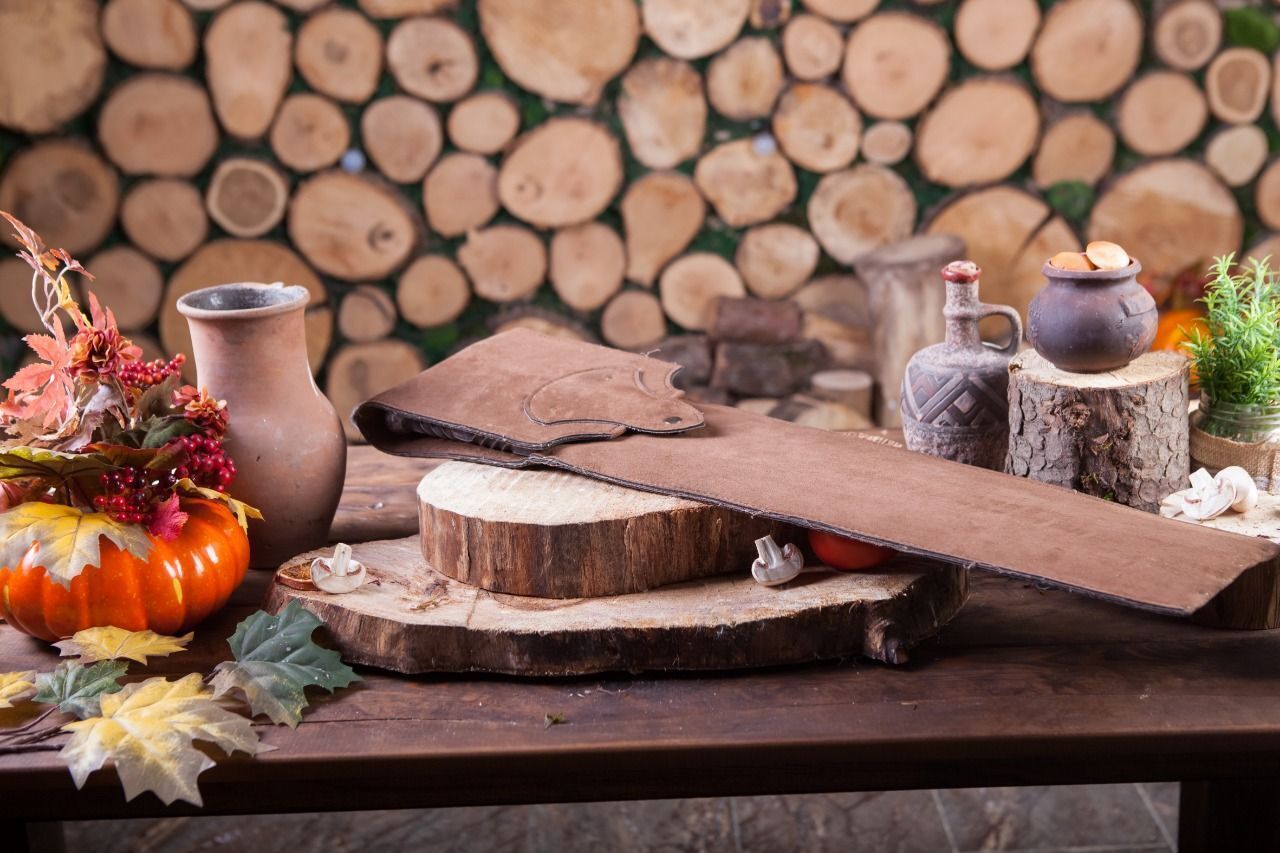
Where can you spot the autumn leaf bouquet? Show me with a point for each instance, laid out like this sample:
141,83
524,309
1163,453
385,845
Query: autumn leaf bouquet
113,476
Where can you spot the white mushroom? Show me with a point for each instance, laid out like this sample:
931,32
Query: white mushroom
776,565
1246,489
339,573
1209,497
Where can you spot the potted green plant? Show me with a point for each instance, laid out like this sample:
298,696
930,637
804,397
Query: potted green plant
1236,358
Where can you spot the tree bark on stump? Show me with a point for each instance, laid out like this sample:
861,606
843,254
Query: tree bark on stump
1119,435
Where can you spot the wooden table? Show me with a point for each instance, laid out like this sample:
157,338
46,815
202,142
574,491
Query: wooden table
1025,687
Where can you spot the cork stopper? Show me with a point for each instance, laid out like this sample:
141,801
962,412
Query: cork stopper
961,272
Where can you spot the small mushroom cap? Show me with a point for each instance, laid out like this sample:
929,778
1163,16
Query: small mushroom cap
961,272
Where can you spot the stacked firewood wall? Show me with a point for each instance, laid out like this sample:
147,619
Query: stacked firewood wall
708,173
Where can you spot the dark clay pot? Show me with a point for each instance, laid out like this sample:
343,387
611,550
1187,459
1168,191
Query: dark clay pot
1088,322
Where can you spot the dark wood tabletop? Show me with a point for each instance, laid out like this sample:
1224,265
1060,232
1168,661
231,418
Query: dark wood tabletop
1025,686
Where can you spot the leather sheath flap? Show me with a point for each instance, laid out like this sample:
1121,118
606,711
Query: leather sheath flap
639,399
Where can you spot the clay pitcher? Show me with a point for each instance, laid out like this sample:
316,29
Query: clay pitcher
250,349
955,400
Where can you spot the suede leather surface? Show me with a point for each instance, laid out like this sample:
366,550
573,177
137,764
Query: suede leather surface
825,480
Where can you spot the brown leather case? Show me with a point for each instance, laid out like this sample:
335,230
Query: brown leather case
520,399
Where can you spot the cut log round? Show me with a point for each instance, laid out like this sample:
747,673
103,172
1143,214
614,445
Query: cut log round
690,286
1237,153
432,291
661,214
16,306
895,63
769,14
460,193
849,387
663,112
541,320
587,265
689,29
746,180
157,34
432,58
844,11
861,209
775,259
745,320
564,171
817,127
310,133
978,132
358,371
165,218
339,54
1237,83
1119,435
158,124
126,281
484,123
812,47
633,320
52,62
996,34
1266,195
366,314
839,297
1170,215
404,8
565,50
64,191
743,82
247,197
886,143
1076,147
1161,113
248,53
1187,34
1087,49
352,227
616,540
222,261
402,137
504,262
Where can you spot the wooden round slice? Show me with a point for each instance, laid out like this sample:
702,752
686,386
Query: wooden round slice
895,64
127,282
1266,195
861,209
402,137
691,284
164,217
156,34
359,371
432,291
564,171
850,387
812,47
775,259
366,314
1237,153
996,34
663,112
339,54
633,320
817,127
565,50
432,58
459,194
843,11
352,227
504,262
248,52
1170,215
310,133
1237,83
1087,49
1187,34
689,29
1076,147
383,9
978,132
246,197
16,306
541,320
64,191
52,62
158,124
747,181
1161,113
661,214
484,123
587,265
887,143
743,82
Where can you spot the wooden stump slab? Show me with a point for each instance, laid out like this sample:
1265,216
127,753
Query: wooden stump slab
417,620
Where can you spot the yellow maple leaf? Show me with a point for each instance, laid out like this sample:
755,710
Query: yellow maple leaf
112,643
68,538
16,685
148,730
242,511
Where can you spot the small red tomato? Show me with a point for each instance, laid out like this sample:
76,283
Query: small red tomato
850,555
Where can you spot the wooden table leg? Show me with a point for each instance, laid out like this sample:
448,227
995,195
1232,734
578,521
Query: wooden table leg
23,837
1239,815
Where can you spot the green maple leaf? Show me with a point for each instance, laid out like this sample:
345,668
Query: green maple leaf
78,689
69,539
275,660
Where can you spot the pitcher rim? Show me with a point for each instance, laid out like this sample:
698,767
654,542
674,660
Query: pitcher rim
292,297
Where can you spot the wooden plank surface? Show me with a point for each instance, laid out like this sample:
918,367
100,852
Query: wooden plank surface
1024,687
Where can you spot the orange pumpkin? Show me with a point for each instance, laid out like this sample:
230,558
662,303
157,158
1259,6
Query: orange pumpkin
179,584
1175,327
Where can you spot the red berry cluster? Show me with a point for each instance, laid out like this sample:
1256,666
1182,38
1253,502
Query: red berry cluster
144,374
130,495
207,464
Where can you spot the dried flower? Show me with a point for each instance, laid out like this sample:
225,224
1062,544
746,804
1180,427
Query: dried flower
202,410
98,350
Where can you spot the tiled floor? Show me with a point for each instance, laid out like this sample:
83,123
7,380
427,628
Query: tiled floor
1083,819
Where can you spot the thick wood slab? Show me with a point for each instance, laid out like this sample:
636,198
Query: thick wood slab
417,620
